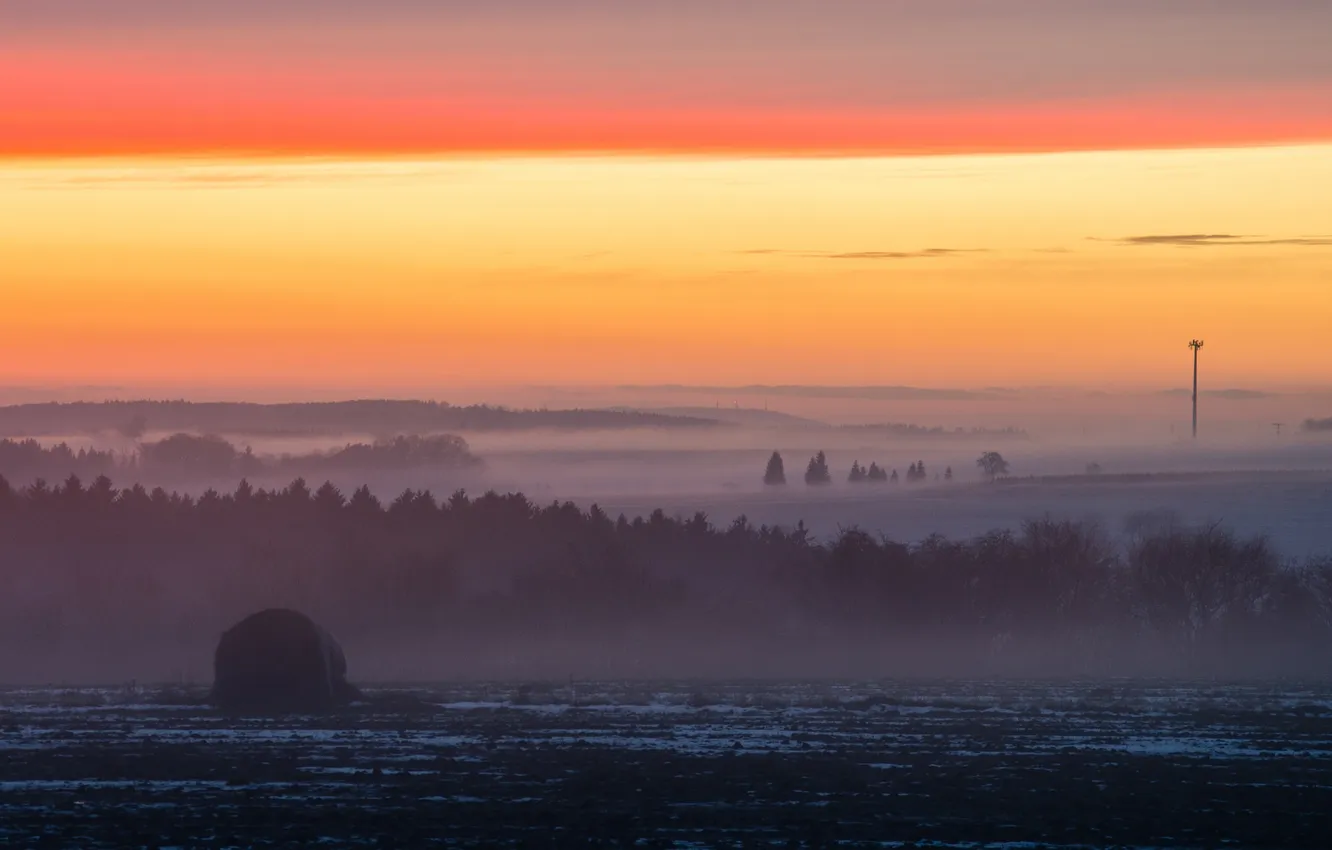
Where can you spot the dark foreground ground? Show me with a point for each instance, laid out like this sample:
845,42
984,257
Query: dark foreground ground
964,764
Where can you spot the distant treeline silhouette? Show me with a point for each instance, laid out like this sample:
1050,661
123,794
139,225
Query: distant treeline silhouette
23,461
818,473
90,564
902,429
182,456
1318,424
133,418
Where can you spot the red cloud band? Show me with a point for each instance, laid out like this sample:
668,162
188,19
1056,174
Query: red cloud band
88,106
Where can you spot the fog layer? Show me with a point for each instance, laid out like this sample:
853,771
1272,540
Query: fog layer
101,585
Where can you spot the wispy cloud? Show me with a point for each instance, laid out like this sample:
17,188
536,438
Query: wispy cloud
926,254
1224,240
215,178
1182,239
225,177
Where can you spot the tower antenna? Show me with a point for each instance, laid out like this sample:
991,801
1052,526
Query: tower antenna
1195,345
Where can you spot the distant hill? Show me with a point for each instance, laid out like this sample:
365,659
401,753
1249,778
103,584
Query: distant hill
879,393
133,418
899,429
1229,395
741,416
1318,424
752,417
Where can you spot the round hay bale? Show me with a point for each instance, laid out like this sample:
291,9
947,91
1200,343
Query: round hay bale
279,661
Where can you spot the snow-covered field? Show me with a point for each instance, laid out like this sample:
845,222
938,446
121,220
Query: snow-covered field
945,764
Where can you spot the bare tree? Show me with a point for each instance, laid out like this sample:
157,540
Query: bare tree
992,464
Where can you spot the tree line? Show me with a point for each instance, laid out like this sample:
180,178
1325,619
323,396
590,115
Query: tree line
194,456
91,564
818,473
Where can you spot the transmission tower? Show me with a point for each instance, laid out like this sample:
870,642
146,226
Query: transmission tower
1195,345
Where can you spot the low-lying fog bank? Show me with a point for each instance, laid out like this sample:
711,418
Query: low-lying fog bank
1283,490
101,585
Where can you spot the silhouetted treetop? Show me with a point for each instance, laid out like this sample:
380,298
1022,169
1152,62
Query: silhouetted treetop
135,428
817,473
22,461
212,457
191,454
992,464
402,452
497,567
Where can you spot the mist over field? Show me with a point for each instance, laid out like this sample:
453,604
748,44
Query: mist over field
685,449
639,539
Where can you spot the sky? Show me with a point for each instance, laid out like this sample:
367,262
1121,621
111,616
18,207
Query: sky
408,193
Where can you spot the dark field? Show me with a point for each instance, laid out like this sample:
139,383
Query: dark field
962,764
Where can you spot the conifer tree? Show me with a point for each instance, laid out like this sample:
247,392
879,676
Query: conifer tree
817,472
775,476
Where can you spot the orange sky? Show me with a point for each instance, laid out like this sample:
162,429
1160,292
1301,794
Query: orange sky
970,270
412,193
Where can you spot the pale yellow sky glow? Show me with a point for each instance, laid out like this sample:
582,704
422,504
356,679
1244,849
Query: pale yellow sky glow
969,270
